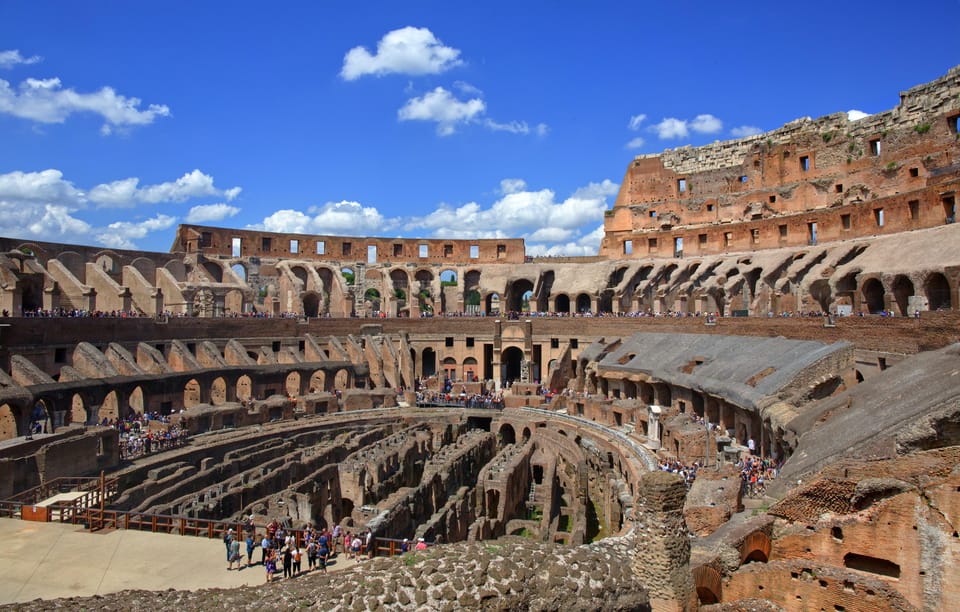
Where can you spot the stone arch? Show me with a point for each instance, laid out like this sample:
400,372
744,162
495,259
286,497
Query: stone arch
470,369
448,277
605,302
512,363
562,303
75,263
203,303
507,434
146,268
371,299
493,303
902,289
233,302
515,291
218,391
110,407
709,585
244,388
820,291
756,547
583,303
8,423
664,394
450,368
311,304
214,270
239,270
873,295
177,269
78,410
342,379
191,393
526,434
318,382
292,384
136,400
937,290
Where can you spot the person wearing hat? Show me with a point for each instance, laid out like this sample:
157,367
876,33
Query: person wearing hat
227,538
405,546
421,544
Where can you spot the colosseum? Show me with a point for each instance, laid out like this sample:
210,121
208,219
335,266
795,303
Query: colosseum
747,399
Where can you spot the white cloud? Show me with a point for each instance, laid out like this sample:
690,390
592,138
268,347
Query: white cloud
514,127
443,108
512,185
125,193
348,218
706,124
211,212
635,122
671,127
45,101
121,234
44,186
467,89
409,50
745,130
856,115
9,59
636,143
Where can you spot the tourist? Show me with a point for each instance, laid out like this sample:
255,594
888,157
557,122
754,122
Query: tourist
421,544
323,555
369,544
251,544
271,564
296,561
287,562
337,535
404,546
228,537
311,554
234,555
355,547
265,547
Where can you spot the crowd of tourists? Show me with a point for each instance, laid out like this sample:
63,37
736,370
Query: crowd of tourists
137,438
755,473
78,313
688,472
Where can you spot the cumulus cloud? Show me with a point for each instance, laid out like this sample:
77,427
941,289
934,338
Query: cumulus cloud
350,218
44,186
745,130
671,127
856,115
206,213
635,122
121,234
126,193
9,59
512,185
636,143
46,101
441,107
409,50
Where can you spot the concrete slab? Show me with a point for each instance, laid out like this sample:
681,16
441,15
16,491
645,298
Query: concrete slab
51,560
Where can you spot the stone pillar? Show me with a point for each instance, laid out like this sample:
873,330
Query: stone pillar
661,560
653,427
497,348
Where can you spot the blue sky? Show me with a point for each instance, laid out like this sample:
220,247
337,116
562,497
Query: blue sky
119,120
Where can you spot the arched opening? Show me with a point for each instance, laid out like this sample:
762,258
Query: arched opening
108,264
583,303
311,304
233,302
318,381
512,363
8,423
450,368
820,291
424,287
136,402
78,411
493,304
240,271
191,393
244,388
873,295
470,369
526,434
110,408
214,271
471,302
755,548
342,379
429,363
902,292
507,434
203,303
348,276
292,384
937,290
218,391
562,303
709,584
518,295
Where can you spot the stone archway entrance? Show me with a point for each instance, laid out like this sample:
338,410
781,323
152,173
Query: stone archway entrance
512,363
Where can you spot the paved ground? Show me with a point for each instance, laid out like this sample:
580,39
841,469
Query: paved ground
51,560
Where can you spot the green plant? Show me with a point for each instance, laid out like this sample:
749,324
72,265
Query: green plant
827,136
923,128
400,294
890,167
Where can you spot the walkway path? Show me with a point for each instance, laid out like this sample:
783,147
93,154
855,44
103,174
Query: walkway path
51,560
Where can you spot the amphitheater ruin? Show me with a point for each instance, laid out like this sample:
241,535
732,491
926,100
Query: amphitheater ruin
788,299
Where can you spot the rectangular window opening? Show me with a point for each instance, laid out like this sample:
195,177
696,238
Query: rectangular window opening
265,245
805,163
424,250
470,341
839,187
681,185
702,239
448,250
952,123
783,231
321,247
878,216
206,239
501,250
812,232
914,206
710,207
651,244
398,250
914,172
653,214
347,248
756,235
371,253
875,147
743,178
554,343
448,341
845,221
773,199
236,245
574,343
294,247
628,247
727,239
474,251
